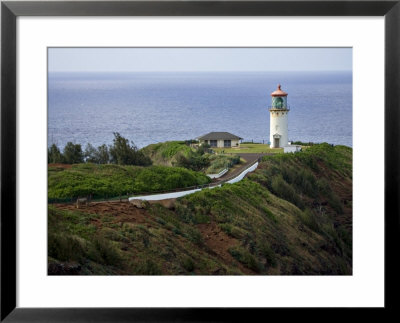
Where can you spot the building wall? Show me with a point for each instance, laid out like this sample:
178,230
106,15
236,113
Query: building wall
220,143
234,142
291,149
279,125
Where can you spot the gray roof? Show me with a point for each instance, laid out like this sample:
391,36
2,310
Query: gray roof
219,136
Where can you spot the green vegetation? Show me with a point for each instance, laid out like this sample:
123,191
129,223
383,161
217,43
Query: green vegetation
195,161
166,153
115,180
292,216
54,155
250,148
101,155
72,153
178,153
220,162
122,152
106,245
301,143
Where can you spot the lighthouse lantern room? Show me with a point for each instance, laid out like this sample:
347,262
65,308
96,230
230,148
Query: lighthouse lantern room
279,119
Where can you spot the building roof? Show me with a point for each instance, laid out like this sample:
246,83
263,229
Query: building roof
219,136
279,92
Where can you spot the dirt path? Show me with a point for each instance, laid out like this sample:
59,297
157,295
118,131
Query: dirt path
249,158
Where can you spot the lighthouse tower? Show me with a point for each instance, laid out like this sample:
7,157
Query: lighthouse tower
278,127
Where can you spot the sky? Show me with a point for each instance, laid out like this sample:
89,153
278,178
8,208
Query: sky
198,59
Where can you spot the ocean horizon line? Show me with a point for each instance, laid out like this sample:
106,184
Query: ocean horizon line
211,71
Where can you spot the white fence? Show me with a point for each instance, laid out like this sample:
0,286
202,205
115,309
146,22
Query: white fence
219,174
164,196
243,174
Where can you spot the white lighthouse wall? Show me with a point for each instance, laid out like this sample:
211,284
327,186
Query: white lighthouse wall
278,125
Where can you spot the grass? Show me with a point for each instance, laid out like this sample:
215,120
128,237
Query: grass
220,162
291,216
114,180
157,247
250,149
166,153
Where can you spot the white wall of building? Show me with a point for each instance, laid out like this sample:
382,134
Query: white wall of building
235,143
220,143
278,125
291,149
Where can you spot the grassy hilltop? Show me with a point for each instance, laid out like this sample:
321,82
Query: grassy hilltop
293,215
178,153
113,180
166,153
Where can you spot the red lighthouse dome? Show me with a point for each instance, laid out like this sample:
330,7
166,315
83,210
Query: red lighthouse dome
279,92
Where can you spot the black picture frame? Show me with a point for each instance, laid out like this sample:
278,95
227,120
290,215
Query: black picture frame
10,10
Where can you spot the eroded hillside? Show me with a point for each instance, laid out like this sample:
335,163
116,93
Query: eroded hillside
293,215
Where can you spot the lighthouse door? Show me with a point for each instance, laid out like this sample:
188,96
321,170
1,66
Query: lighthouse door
276,142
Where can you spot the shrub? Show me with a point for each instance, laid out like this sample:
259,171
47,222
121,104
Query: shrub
323,187
268,254
147,267
335,203
220,162
124,153
232,230
72,153
193,161
65,247
97,156
245,257
284,190
115,180
309,219
188,264
306,182
54,155
193,235
107,251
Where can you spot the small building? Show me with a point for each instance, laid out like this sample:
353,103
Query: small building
220,140
291,148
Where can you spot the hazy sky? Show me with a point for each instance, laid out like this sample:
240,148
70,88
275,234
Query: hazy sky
199,59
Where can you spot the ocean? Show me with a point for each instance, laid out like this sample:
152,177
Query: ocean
154,107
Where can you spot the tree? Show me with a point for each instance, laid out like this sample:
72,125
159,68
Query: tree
193,161
90,154
204,148
102,154
54,155
124,153
73,153
97,156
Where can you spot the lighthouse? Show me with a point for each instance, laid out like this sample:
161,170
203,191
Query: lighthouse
278,126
